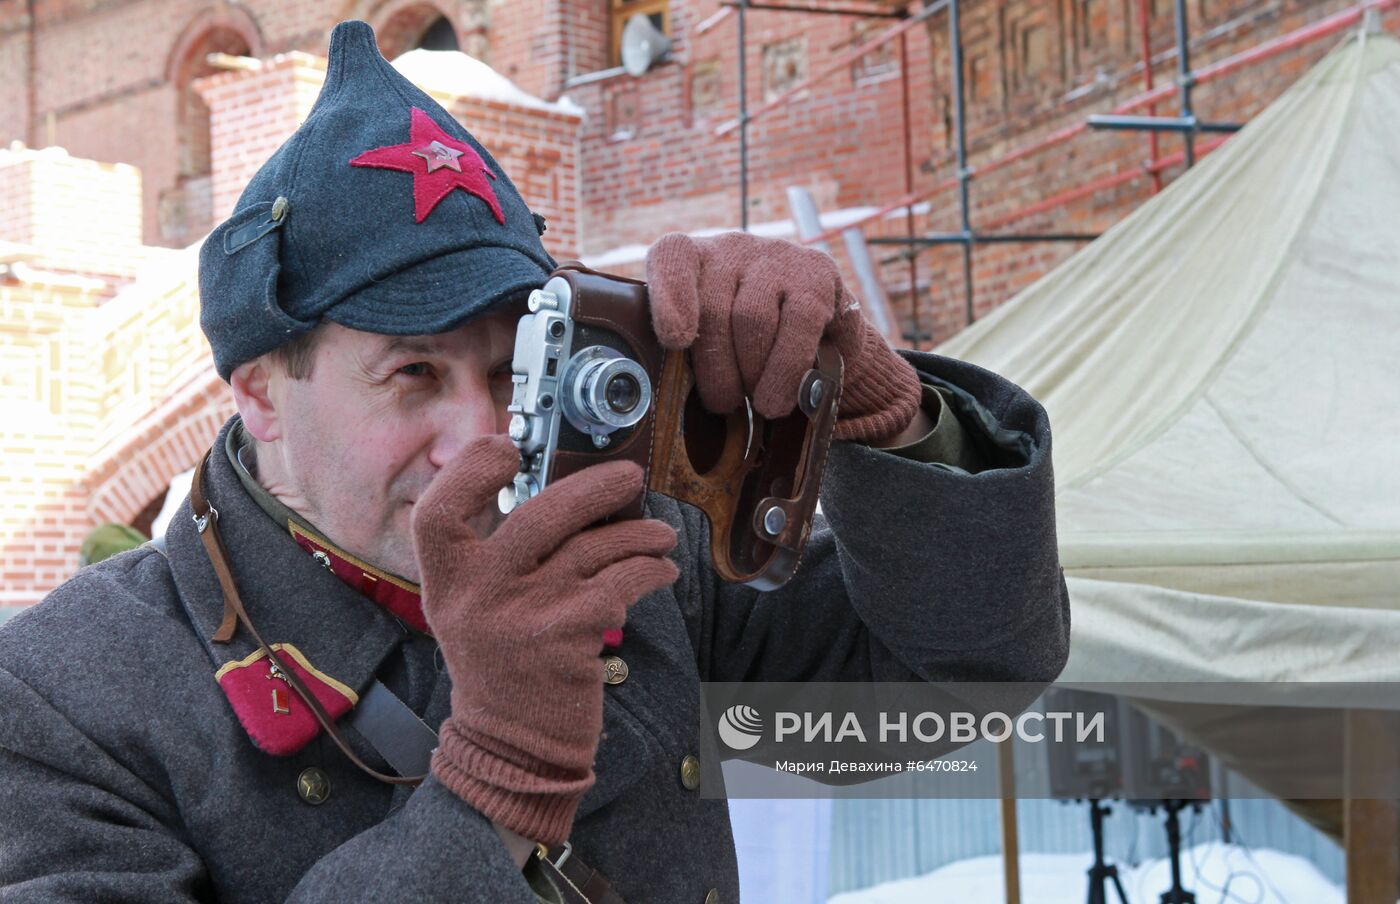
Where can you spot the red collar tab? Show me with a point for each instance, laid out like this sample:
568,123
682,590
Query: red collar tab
400,597
277,720
439,163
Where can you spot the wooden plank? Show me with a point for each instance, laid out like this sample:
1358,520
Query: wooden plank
1370,835
1010,843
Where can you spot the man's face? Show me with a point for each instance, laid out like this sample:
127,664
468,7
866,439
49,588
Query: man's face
379,416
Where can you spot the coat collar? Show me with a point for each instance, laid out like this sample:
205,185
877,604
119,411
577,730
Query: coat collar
342,636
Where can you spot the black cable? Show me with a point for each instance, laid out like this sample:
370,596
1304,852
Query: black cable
1259,875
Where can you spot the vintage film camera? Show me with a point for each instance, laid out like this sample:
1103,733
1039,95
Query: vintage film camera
592,383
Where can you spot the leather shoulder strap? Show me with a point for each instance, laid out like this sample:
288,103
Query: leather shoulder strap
380,717
206,519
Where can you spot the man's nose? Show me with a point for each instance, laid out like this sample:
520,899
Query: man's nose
475,414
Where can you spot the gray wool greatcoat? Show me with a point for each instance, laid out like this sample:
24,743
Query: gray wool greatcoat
125,776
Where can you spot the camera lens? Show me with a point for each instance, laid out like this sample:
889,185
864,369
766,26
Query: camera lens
603,391
623,392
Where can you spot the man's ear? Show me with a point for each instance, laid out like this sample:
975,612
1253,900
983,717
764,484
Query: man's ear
252,382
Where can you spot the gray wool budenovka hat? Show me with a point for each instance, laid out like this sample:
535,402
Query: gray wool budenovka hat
380,213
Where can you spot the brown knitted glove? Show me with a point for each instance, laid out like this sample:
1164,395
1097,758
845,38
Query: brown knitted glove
753,311
520,617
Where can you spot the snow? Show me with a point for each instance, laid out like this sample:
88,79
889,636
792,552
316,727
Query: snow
174,498
1254,877
453,72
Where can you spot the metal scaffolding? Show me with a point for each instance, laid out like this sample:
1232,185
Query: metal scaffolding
1124,116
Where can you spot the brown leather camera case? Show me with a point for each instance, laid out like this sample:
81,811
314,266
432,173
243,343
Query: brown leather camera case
747,474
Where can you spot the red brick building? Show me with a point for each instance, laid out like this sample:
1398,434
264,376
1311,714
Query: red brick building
165,107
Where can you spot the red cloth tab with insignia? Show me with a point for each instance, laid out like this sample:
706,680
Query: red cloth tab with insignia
400,597
277,720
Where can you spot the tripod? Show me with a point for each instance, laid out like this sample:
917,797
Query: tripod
1101,872
1176,894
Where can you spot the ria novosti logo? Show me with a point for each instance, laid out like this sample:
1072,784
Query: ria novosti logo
741,727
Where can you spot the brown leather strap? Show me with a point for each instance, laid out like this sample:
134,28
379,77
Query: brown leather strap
206,519
578,883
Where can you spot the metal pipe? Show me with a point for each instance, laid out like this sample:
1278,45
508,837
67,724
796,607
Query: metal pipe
589,78
724,13
1111,181
1185,80
869,14
31,88
964,177
961,238
1160,124
840,64
1297,38
1267,50
743,118
909,188
1102,184
1153,149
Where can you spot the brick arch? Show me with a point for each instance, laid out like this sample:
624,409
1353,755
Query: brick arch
187,213
140,464
399,24
220,17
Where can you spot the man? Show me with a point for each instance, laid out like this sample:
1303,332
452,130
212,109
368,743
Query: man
161,734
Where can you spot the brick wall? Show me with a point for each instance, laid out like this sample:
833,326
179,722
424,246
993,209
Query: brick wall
48,422
651,140
108,389
85,215
253,111
1085,59
650,163
112,82
102,68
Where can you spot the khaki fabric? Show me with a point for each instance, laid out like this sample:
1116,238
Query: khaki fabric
1222,371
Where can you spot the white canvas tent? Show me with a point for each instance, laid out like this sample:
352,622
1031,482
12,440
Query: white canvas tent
1222,373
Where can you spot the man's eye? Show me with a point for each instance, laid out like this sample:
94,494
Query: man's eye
416,369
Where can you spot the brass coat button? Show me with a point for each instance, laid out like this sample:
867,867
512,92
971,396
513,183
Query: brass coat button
313,785
690,773
712,896
615,670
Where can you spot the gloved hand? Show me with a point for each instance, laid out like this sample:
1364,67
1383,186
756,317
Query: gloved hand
520,617
753,311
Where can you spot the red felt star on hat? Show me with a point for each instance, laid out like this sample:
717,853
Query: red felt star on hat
438,162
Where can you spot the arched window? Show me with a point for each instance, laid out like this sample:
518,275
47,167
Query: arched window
193,114
417,25
186,206
439,36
